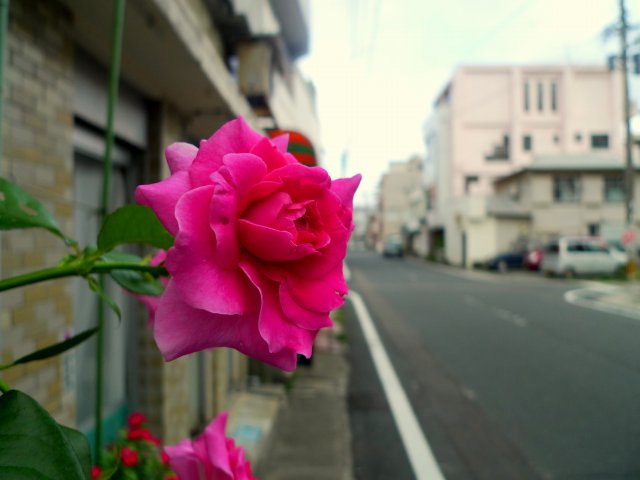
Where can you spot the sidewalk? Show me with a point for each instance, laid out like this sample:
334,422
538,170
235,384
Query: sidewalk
618,298
304,433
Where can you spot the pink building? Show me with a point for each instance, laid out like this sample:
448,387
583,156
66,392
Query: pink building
492,121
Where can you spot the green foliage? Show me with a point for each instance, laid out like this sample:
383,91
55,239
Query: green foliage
34,446
96,288
133,224
18,209
135,281
53,350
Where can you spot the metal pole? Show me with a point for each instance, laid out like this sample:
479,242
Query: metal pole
629,176
114,74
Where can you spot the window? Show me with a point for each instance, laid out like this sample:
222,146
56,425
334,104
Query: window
578,137
526,96
600,141
468,181
554,96
500,151
593,229
540,96
556,138
614,188
566,189
526,143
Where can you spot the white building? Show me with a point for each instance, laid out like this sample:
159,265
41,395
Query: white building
492,121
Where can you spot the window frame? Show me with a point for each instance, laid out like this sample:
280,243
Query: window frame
559,193
540,96
607,181
599,141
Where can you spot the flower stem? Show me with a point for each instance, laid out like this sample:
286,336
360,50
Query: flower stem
73,270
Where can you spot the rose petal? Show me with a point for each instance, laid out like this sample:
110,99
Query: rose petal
192,261
183,459
235,136
301,316
321,295
245,169
281,142
214,444
163,196
345,189
294,173
275,328
180,156
271,245
180,329
273,158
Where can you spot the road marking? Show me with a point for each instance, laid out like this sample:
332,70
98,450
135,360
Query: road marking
501,313
420,455
510,317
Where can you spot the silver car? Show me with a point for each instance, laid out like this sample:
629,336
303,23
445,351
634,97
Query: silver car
572,256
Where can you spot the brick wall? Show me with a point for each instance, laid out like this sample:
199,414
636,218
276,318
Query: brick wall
37,155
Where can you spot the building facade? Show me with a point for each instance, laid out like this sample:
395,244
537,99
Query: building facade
187,67
492,121
401,202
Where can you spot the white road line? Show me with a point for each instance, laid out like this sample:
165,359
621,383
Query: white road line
420,455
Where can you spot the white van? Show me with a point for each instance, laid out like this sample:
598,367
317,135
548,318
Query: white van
571,256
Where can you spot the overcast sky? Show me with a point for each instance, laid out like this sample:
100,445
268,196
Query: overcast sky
378,64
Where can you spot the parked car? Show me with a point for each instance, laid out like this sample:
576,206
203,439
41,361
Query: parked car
506,261
618,250
393,247
572,256
533,259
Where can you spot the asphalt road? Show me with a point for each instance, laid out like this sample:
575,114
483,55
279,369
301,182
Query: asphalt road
507,380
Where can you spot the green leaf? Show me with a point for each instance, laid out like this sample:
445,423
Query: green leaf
141,283
98,290
138,282
133,224
34,446
18,209
53,350
81,447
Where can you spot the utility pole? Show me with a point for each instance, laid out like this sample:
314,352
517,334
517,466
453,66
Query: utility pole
629,175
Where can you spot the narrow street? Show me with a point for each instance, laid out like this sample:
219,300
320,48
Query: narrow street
507,379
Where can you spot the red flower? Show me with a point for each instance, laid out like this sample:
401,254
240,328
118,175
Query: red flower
136,419
164,457
140,434
95,472
129,457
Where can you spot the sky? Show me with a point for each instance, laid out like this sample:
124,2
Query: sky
377,65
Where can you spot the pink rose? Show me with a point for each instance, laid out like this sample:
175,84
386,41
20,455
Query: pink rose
260,239
210,456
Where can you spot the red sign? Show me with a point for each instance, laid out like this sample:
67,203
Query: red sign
629,236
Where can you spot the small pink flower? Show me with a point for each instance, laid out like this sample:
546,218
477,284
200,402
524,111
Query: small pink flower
136,419
210,456
129,457
260,239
